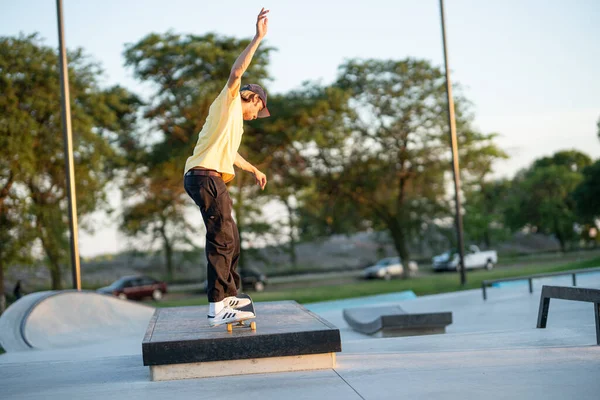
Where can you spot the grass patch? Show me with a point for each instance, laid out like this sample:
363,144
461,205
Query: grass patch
2,350
431,284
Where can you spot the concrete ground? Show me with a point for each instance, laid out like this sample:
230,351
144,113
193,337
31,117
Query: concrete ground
492,351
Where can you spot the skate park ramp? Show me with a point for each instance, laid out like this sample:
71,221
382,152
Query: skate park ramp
59,319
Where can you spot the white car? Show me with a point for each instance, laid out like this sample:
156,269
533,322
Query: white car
387,268
474,258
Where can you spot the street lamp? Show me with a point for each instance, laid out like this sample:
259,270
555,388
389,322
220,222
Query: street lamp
455,167
68,143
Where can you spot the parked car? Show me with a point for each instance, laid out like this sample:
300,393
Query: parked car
474,258
252,279
135,288
387,268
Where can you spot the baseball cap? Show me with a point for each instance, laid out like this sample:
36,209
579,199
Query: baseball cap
254,88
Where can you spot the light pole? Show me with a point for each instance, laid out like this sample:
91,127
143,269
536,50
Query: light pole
455,167
68,142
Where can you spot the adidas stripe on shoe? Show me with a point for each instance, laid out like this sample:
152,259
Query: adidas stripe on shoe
229,315
236,302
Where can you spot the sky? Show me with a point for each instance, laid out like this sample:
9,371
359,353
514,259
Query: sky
530,67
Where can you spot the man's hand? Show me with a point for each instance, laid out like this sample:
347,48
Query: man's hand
261,179
262,23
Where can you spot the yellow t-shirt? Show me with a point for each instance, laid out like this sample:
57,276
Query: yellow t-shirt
220,137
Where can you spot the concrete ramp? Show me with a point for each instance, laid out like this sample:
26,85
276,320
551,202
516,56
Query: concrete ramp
394,321
58,319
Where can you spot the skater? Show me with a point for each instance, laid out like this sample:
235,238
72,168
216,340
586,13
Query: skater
211,167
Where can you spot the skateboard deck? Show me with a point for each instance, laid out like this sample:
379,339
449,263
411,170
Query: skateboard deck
242,323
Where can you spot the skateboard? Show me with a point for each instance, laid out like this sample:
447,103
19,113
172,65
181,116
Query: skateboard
242,323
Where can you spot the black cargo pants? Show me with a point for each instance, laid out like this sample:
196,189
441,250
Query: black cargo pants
222,237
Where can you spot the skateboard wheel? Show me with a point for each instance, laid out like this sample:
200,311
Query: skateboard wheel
253,325
229,328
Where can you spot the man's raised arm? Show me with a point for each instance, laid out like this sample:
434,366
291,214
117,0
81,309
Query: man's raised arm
244,59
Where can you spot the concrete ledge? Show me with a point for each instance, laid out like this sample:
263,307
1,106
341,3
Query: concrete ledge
394,321
242,367
398,332
284,328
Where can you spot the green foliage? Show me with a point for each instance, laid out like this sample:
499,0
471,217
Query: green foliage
587,194
31,130
541,196
570,159
484,212
301,120
390,157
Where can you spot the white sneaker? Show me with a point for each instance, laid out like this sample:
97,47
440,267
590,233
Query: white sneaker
236,302
228,315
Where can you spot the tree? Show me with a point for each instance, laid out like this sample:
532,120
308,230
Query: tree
33,171
484,212
394,160
16,235
541,196
587,193
298,121
187,73
570,159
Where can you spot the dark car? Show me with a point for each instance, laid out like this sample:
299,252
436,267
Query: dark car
252,279
135,288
